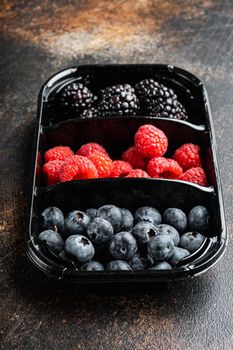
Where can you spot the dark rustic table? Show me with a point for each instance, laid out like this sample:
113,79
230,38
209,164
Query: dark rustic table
38,39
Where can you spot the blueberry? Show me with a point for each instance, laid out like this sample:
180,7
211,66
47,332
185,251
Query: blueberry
198,219
191,241
148,214
91,212
92,266
163,265
79,247
143,231
160,247
149,260
127,220
122,245
179,253
99,231
112,214
53,219
170,231
176,218
53,240
76,222
137,262
117,265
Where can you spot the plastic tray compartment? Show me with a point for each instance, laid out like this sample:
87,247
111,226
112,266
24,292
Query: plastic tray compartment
189,89
116,134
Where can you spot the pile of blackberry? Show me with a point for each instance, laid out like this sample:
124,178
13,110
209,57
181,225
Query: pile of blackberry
148,97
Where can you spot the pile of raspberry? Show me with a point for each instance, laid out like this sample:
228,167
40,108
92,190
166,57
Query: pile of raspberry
145,159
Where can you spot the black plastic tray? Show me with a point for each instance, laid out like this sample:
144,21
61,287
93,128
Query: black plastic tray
116,133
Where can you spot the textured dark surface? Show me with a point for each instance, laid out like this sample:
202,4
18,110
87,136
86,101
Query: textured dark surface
39,38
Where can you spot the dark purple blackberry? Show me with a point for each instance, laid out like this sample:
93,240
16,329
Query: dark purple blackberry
158,100
90,113
181,113
75,98
118,100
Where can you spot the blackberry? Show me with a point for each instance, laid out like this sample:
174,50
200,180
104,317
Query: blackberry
181,113
75,98
90,113
159,100
118,100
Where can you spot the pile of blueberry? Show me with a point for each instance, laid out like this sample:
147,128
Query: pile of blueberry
111,238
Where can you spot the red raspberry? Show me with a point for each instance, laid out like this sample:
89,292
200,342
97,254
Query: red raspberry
150,141
76,168
138,173
120,168
133,157
58,153
160,167
195,175
103,164
90,148
52,171
188,156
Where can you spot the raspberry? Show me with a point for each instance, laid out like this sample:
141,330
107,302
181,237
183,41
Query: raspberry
90,148
52,171
58,153
150,141
160,167
188,156
138,173
76,168
120,168
133,157
195,175
103,163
